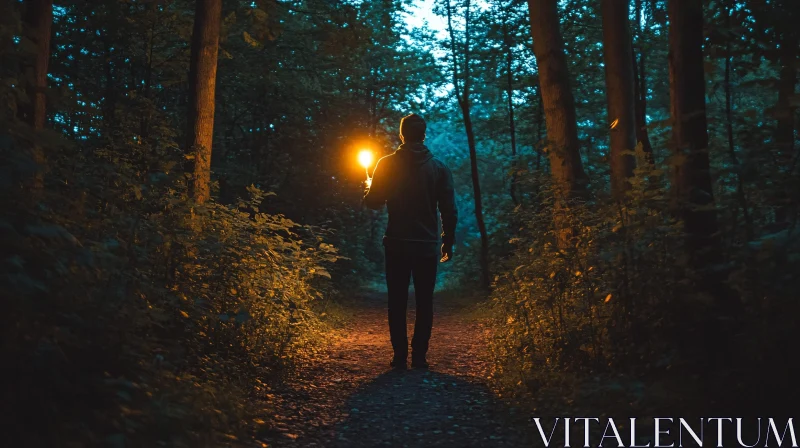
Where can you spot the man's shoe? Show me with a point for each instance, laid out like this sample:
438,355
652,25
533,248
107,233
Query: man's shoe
398,363
419,363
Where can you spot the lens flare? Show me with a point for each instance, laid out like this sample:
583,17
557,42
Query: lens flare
365,158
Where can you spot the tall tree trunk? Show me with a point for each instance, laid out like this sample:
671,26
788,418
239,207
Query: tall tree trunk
539,130
692,179
202,83
37,23
563,145
462,92
9,68
618,57
640,77
510,97
692,185
784,135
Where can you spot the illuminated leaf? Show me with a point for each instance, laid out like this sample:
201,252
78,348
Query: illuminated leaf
251,40
322,272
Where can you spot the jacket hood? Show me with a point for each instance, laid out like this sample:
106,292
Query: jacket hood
416,153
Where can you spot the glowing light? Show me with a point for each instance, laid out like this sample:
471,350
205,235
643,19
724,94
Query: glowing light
365,158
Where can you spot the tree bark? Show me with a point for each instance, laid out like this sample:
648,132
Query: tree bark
784,135
510,97
462,92
692,178
539,131
37,24
618,57
640,85
202,83
740,193
476,190
557,99
563,146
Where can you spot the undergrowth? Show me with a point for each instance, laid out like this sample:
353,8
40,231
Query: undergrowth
618,309
136,318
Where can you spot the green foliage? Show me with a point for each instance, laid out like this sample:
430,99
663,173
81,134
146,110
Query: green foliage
573,309
622,300
132,315
162,312
248,277
552,323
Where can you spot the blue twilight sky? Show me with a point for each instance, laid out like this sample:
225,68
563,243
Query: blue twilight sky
421,14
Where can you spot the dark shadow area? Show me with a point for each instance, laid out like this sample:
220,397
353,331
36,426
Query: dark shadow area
424,408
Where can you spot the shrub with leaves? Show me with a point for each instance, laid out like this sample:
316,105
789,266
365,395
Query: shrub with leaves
134,315
620,297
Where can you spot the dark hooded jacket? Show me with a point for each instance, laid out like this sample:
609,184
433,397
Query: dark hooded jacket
413,184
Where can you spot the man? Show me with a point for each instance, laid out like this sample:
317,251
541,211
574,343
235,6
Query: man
413,184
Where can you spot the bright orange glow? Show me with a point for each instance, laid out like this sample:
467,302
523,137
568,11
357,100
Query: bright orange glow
365,158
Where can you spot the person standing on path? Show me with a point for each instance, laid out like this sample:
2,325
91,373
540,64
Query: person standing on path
413,184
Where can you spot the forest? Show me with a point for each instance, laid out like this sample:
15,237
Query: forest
187,259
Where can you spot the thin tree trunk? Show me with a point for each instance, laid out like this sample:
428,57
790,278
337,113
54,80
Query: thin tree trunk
473,155
692,178
9,68
563,145
476,189
729,131
510,96
202,83
784,135
462,92
640,77
618,59
37,24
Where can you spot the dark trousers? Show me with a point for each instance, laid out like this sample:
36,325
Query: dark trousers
401,266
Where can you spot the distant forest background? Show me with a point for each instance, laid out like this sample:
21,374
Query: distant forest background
181,203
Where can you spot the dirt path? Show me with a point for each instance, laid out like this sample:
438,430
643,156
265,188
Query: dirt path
349,397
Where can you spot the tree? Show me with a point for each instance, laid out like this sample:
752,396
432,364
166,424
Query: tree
640,80
508,46
727,83
557,98
461,90
618,56
787,37
37,22
559,108
202,84
692,178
